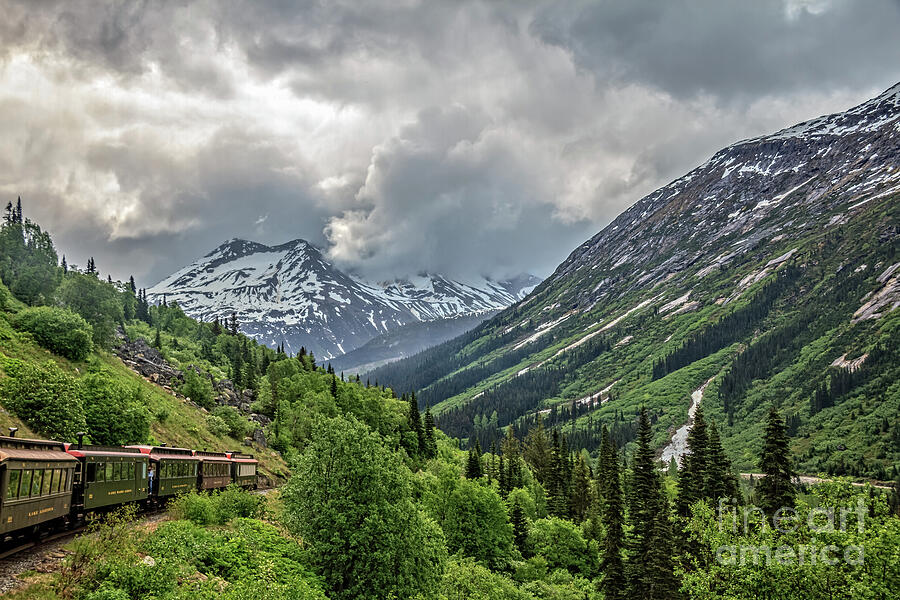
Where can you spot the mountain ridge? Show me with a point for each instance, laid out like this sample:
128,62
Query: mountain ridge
289,294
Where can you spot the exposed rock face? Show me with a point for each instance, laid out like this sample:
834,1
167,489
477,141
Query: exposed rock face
150,363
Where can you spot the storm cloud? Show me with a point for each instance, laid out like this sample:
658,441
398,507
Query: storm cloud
462,137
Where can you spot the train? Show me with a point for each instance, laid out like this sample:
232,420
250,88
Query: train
46,484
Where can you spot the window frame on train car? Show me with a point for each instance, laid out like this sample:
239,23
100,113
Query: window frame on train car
10,494
36,481
25,489
47,483
110,471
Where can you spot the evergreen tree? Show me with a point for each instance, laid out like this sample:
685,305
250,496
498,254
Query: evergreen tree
613,585
720,479
520,527
415,423
233,324
557,483
692,476
18,216
131,285
334,386
537,452
648,513
511,450
473,466
775,490
582,492
157,340
661,581
65,265
8,217
430,441
91,267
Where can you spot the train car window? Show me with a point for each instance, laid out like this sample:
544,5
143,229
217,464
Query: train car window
109,471
91,473
57,480
12,487
117,471
101,472
67,479
36,482
143,470
48,482
25,485
131,466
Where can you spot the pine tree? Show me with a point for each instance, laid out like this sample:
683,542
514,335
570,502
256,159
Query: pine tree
646,508
8,218
511,450
157,341
557,483
91,267
613,585
662,583
415,423
233,324
538,454
65,265
520,527
131,285
692,476
582,492
19,219
776,489
430,441
720,479
334,386
473,466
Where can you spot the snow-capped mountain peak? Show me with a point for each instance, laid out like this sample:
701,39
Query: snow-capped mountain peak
291,294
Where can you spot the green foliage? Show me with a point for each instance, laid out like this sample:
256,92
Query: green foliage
217,425
115,414
476,524
776,490
198,388
218,507
58,330
44,396
467,580
28,262
237,425
350,500
562,545
95,300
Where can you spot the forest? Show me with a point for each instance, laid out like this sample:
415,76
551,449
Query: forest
381,503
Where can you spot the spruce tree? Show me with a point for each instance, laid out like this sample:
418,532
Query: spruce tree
775,490
582,492
537,452
65,265
233,324
511,450
661,581
520,527
430,441
157,341
334,386
614,584
646,505
415,423
720,479
692,476
131,285
473,466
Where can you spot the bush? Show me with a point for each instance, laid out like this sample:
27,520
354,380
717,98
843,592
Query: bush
197,388
59,330
216,426
561,544
238,426
217,508
43,396
115,413
97,301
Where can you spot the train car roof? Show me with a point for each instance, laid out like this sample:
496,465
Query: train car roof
242,458
166,451
109,451
28,449
211,456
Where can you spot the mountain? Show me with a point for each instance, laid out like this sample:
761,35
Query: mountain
290,294
770,273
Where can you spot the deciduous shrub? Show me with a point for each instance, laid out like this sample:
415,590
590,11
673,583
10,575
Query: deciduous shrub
59,330
197,388
116,414
43,396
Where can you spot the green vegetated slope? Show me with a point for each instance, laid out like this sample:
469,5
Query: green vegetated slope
81,385
753,282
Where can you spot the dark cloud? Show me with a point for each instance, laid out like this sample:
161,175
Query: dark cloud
467,137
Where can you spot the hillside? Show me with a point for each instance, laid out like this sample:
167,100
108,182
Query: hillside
770,272
291,296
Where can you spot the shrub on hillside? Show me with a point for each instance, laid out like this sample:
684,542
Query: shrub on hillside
59,330
43,396
197,388
116,414
237,425
216,426
217,508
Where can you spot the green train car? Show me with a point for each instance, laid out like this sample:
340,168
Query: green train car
171,470
36,479
243,469
215,470
108,476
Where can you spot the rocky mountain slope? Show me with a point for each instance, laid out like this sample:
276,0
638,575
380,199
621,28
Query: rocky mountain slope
290,294
765,271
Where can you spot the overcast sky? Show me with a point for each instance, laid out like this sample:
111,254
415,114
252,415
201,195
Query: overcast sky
468,138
